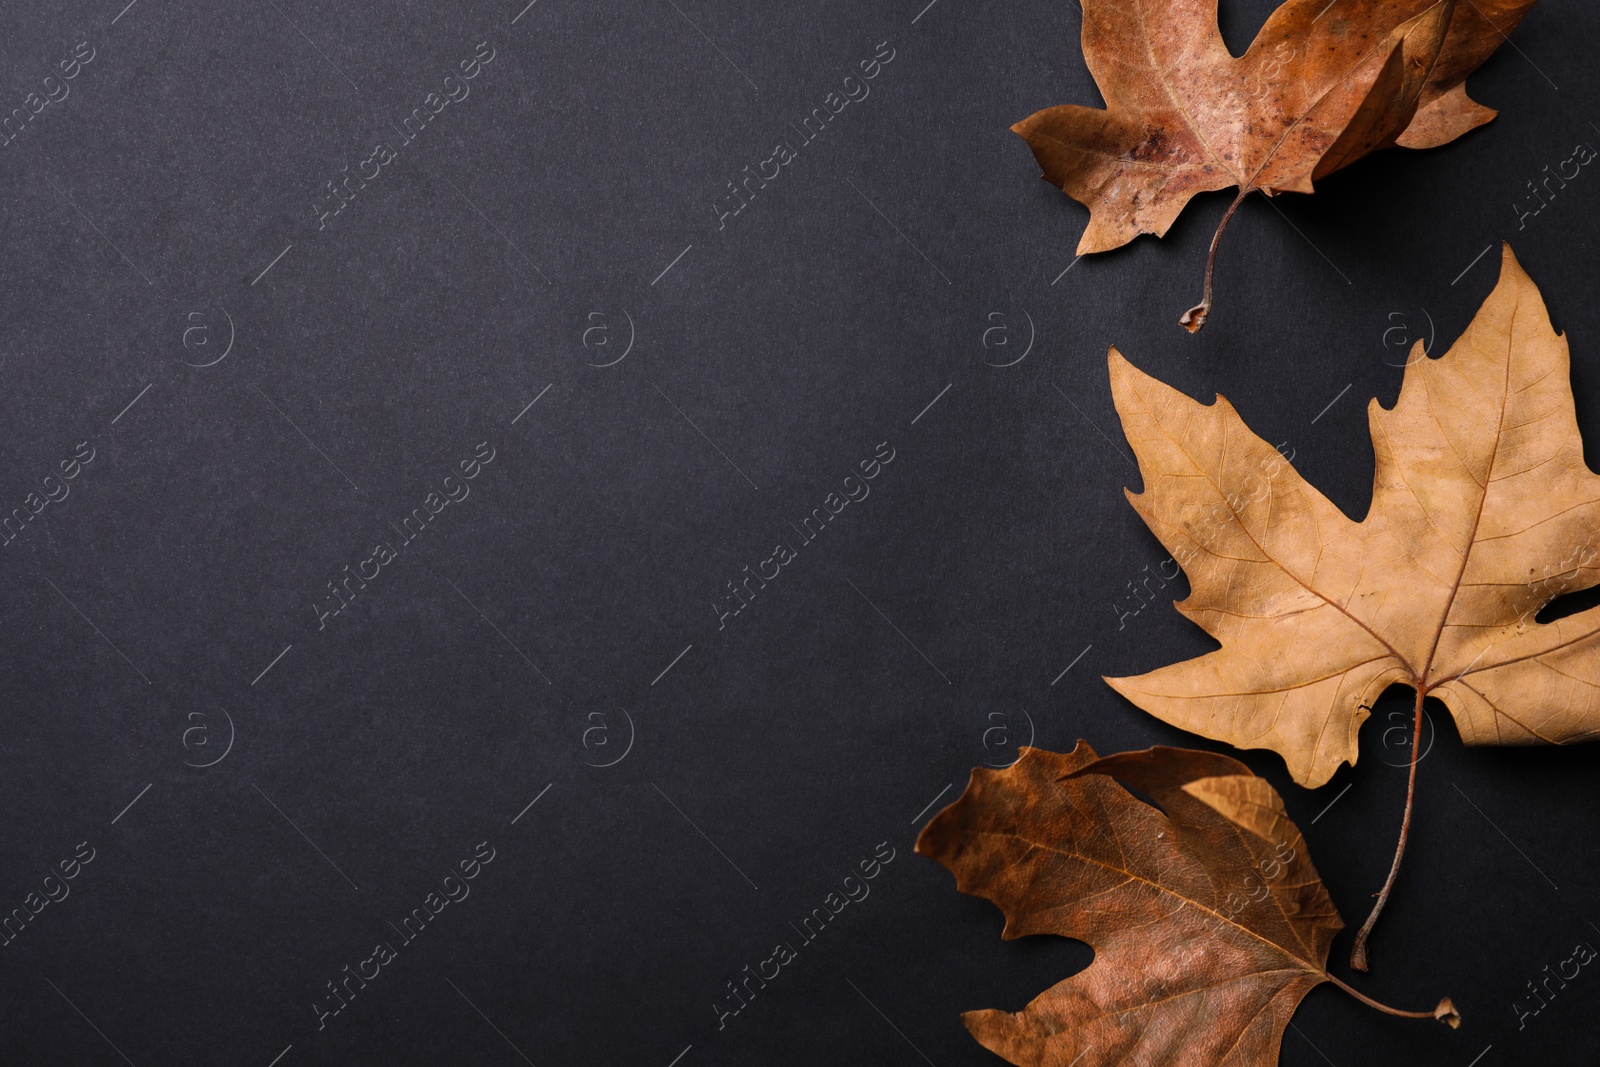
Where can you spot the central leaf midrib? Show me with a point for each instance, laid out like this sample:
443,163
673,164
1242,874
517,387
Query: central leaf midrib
1477,518
1281,949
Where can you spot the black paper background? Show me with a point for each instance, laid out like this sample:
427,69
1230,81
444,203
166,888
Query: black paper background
170,202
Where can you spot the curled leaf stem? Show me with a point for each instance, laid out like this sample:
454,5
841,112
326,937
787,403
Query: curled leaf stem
1358,951
1195,317
1445,1012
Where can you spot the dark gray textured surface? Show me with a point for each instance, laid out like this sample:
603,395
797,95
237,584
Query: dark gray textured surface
527,634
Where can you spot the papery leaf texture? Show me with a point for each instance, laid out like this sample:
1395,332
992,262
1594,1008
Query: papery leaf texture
1208,921
1322,85
1483,512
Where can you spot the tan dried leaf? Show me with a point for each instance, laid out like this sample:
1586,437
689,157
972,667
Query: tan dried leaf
1483,512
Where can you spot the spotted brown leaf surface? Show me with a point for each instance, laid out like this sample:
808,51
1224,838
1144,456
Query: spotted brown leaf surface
1208,922
1483,512
1321,85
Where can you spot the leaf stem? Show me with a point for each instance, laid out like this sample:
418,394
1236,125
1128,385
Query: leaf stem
1445,1012
1358,951
1195,317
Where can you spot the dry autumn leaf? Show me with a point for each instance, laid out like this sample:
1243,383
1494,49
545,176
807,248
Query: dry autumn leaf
1322,85
1483,512
1208,922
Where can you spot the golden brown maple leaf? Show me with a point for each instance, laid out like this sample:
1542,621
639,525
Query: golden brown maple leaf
1323,84
1483,512
1208,922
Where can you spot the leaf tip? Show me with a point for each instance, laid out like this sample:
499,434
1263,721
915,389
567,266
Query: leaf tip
1508,258
1124,375
1120,685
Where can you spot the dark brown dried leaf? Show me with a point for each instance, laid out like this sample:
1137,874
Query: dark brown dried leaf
1322,85
1208,921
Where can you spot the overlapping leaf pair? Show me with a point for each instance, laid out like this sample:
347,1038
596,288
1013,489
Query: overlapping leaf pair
1208,921
1483,513
1323,84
